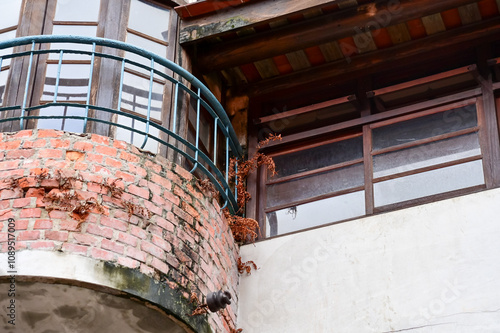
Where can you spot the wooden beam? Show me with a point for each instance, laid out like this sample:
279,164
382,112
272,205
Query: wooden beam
227,19
460,99
303,110
326,28
461,38
421,81
187,11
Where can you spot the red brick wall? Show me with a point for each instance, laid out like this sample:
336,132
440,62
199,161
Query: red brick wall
185,242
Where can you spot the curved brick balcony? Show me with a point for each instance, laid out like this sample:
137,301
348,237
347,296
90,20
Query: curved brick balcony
108,235
129,103
90,210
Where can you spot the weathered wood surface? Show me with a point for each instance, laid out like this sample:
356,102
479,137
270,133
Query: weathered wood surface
246,15
323,29
472,35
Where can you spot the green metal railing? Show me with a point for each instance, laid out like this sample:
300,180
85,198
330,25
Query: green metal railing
181,80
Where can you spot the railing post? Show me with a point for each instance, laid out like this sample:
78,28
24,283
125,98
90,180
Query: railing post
122,73
58,76
227,169
26,88
89,88
236,181
176,93
216,121
197,144
150,94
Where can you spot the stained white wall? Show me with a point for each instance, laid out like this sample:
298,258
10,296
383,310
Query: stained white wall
431,268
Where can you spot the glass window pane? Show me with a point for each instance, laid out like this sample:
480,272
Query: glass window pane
51,123
3,83
74,125
426,155
146,44
81,30
319,157
3,37
89,31
77,10
136,93
315,185
428,183
315,213
121,133
425,127
73,82
149,19
135,138
67,124
9,15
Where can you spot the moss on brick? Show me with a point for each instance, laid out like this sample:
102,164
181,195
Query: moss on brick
170,300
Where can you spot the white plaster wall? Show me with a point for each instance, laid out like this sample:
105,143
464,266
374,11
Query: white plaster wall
432,268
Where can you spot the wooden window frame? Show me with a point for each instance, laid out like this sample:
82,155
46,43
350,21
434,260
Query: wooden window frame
488,117
43,22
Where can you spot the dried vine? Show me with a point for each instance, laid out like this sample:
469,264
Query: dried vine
63,197
246,266
113,189
201,308
244,229
208,188
228,321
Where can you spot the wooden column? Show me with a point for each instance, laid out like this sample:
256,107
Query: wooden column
488,121
105,88
364,86
34,13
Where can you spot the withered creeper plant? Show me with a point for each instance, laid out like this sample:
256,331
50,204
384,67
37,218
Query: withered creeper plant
63,196
244,229
201,308
246,266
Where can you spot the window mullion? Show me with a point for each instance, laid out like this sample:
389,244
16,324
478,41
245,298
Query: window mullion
488,134
368,166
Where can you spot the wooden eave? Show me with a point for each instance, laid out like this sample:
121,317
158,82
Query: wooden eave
199,8
355,38
208,19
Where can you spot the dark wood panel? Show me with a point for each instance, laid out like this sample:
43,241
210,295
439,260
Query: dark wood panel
403,55
244,16
321,30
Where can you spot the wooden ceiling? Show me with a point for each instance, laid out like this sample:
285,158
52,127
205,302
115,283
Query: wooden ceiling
334,37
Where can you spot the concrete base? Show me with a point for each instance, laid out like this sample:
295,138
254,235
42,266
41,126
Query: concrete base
51,308
70,288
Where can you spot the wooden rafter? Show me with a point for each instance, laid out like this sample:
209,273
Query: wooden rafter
254,12
323,29
470,35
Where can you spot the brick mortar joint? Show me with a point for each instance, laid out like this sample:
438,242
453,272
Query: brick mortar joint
164,168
